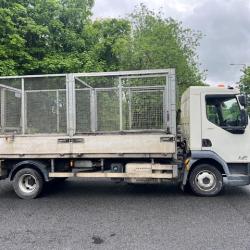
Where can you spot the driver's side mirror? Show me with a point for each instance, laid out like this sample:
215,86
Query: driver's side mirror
243,100
243,118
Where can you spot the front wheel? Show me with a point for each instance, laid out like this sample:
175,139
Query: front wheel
28,183
206,180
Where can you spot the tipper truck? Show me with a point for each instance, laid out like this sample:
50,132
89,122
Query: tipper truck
121,126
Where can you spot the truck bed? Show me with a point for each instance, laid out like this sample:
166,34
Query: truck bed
132,145
97,115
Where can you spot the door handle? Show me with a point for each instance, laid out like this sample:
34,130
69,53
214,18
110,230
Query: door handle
210,128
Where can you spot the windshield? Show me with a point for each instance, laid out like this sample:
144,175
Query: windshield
223,111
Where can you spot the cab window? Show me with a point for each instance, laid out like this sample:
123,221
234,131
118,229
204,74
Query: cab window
223,111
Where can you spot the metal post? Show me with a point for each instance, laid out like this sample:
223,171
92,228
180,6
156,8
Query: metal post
95,110
2,109
129,108
67,104
172,94
23,107
166,104
71,105
57,112
92,110
120,103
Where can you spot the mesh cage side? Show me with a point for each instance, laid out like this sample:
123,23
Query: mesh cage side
108,118
97,82
140,81
10,105
15,83
45,83
62,112
82,110
45,105
97,102
143,109
45,110
12,112
12,109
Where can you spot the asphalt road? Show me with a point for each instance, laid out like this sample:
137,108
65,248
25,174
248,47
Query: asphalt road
103,215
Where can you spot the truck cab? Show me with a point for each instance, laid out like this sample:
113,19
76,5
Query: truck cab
216,132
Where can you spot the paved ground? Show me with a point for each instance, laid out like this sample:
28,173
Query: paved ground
104,215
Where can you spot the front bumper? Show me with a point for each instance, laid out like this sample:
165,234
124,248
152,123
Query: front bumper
237,180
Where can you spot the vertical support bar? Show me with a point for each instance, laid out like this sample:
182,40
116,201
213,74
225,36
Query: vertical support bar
67,104
92,110
2,110
73,96
164,108
23,107
166,103
95,110
120,103
70,85
129,108
57,112
172,88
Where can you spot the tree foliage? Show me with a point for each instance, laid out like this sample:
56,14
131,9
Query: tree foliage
245,85
55,36
156,42
245,81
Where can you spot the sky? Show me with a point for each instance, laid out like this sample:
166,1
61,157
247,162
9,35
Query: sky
225,25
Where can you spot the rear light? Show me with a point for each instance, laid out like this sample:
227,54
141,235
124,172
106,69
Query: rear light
221,85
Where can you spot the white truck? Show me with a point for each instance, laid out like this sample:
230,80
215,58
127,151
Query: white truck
122,126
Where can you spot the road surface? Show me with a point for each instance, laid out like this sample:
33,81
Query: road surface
91,214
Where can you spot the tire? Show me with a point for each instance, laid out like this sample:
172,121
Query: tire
206,180
28,183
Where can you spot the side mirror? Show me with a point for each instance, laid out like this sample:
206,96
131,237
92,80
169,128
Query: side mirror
243,118
243,100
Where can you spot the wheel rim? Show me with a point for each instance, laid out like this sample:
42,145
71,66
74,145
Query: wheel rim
205,180
27,183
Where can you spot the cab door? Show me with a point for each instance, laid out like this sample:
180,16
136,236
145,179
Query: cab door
221,129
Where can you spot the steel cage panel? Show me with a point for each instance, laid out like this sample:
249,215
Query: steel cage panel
78,107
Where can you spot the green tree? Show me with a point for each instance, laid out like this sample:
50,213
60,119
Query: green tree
245,85
101,37
58,36
43,36
12,43
104,35
245,81
156,42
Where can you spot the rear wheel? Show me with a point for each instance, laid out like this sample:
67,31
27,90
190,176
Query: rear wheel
206,180
28,183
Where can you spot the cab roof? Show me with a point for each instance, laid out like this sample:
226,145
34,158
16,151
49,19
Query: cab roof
212,90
